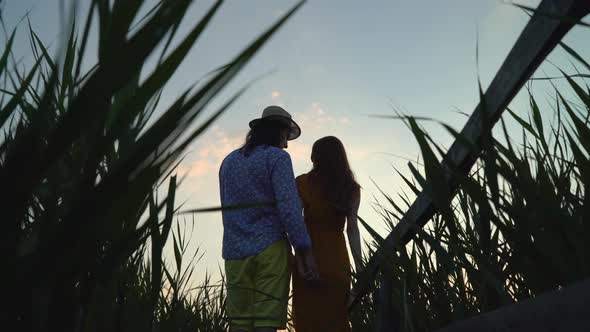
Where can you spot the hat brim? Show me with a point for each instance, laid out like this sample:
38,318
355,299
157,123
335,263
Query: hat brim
294,129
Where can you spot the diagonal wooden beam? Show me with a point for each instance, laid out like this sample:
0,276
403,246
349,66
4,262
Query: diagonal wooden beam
564,309
540,36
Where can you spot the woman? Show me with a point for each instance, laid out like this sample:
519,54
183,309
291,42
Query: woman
257,239
331,198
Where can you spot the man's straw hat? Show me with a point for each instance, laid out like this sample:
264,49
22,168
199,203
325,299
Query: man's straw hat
278,113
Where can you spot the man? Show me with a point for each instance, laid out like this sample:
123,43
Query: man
258,179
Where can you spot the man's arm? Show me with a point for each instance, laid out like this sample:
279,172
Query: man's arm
288,202
290,215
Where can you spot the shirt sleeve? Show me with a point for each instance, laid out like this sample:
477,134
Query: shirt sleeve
288,202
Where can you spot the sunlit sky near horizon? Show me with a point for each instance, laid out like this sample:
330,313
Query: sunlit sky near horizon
332,65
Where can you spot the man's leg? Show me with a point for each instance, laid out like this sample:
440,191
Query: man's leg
240,294
271,296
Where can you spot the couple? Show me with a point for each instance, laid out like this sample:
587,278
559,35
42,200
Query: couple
258,235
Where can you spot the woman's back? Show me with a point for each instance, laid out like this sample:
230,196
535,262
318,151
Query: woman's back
323,308
326,227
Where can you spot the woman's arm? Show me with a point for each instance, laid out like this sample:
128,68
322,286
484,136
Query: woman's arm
352,230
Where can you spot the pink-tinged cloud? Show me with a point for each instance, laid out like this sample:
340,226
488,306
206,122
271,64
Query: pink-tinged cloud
299,151
275,95
316,119
209,152
197,168
317,108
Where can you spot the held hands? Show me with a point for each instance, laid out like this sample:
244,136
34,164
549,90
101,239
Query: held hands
306,266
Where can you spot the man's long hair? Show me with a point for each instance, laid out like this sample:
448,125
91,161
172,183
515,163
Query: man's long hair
266,132
332,173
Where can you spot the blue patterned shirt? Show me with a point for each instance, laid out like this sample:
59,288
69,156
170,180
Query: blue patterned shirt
265,175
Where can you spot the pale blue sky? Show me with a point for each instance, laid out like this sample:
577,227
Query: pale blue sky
336,62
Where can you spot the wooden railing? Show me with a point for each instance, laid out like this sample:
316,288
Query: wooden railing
549,23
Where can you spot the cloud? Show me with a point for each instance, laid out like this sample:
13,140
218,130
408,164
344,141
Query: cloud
317,108
276,98
316,119
299,151
208,153
197,168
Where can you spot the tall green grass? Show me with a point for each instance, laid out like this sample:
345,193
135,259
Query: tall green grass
518,226
81,157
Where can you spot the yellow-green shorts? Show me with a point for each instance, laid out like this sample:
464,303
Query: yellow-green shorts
258,288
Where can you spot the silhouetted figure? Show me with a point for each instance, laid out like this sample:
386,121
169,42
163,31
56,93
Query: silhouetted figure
257,239
331,199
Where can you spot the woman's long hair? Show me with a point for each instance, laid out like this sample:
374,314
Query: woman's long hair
332,173
266,132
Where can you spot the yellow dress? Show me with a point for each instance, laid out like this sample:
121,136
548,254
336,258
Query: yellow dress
322,307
